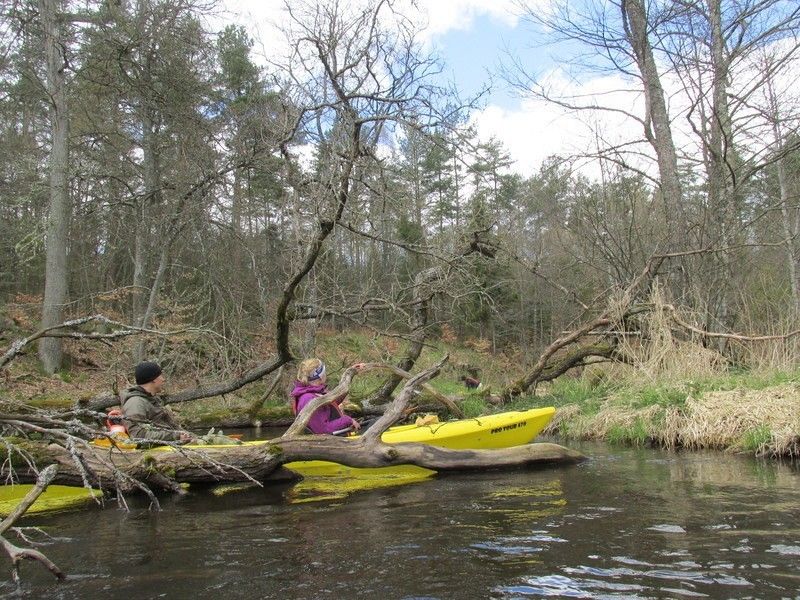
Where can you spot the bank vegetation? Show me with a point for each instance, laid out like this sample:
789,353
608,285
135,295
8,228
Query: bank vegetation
167,196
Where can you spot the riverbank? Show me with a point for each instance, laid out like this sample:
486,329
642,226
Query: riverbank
695,402
737,413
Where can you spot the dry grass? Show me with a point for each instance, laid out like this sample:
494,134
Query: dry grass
614,418
663,356
764,422
771,319
564,415
738,418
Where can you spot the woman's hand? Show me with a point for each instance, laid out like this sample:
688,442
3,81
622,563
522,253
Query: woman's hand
356,425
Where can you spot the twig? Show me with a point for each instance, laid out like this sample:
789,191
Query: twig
16,553
55,331
728,336
397,407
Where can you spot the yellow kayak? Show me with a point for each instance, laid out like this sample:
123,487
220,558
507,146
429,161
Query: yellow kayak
503,430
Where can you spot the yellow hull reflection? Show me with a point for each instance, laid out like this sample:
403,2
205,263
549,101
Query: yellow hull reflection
55,497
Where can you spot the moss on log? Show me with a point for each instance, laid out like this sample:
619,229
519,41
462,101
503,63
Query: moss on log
163,468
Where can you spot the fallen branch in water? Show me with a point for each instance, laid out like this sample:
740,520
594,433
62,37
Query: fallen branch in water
161,468
16,553
167,466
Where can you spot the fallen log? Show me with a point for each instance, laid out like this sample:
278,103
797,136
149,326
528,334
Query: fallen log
163,468
15,553
364,453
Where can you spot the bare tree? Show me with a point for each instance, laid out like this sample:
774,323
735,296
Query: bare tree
55,290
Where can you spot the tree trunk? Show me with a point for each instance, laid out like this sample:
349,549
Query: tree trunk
423,294
720,190
55,288
788,212
151,199
548,366
789,232
660,136
419,332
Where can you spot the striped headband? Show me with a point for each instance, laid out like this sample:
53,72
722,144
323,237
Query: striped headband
318,372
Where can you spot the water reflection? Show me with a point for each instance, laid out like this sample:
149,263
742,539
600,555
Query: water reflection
626,524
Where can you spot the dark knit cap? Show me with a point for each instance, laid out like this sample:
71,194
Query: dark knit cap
146,372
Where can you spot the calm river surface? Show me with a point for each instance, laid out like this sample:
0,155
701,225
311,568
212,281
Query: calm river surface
629,523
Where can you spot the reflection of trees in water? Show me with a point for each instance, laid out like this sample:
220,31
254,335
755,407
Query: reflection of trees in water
737,471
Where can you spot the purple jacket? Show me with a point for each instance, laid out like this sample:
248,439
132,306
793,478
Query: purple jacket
326,419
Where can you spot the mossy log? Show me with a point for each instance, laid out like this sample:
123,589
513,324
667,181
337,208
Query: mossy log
111,469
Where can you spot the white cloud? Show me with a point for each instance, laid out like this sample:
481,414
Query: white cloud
538,129
263,18
445,15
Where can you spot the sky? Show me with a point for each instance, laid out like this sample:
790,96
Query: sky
473,38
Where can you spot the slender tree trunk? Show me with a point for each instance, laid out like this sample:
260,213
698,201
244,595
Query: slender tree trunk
55,289
660,134
158,282
719,139
424,293
789,234
721,196
457,188
788,213
152,178
139,261
419,332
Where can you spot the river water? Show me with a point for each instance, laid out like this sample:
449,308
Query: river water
628,523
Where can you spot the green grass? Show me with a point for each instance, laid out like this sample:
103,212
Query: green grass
448,387
755,439
589,395
741,379
656,395
633,435
474,406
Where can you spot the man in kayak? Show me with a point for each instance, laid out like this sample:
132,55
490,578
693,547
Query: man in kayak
146,417
312,383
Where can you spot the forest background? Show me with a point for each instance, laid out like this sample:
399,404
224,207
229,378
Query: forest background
221,214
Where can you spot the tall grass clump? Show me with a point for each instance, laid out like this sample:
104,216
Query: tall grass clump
656,394
474,406
589,392
633,434
663,357
756,440
766,422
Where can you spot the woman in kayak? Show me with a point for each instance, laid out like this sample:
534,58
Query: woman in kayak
312,383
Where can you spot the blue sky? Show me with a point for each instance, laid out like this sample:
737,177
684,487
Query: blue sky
472,37
472,56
